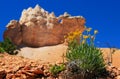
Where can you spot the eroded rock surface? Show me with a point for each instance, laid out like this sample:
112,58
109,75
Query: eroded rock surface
37,27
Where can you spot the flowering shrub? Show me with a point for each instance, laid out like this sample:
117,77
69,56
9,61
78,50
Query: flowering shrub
86,56
73,35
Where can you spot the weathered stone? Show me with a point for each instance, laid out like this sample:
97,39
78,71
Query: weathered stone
38,28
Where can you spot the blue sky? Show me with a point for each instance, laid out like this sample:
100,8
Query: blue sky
103,15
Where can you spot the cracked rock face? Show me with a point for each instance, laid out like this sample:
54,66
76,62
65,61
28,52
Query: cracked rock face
37,27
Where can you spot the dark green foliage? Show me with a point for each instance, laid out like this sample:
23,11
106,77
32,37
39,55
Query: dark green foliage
57,69
7,46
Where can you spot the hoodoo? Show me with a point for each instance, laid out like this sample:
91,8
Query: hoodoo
37,27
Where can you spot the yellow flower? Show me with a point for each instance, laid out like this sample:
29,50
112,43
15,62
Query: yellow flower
85,36
70,37
75,33
83,41
88,29
96,31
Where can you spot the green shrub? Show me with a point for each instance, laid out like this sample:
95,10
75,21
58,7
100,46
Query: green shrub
55,69
2,50
7,46
86,56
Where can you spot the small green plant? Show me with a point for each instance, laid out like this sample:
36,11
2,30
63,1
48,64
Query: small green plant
86,56
2,50
55,69
7,46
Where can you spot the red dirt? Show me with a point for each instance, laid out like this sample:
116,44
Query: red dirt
47,55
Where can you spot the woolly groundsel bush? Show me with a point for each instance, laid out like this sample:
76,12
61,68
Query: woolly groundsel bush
8,47
87,59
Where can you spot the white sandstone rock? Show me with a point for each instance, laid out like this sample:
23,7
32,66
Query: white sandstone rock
36,14
37,8
52,15
76,17
12,24
30,24
66,14
39,16
32,18
29,9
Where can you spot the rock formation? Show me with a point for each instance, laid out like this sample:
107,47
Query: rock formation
37,27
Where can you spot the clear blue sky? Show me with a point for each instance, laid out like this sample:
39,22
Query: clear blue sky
103,15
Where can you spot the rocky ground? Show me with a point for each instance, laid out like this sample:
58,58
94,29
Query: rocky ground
15,67
19,67
31,63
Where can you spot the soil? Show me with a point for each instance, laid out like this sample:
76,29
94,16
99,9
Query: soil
54,54
36,60
48,54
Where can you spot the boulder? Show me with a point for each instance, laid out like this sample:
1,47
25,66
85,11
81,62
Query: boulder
37,27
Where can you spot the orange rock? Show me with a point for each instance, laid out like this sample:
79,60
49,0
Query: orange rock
38,71
27,67
38,28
